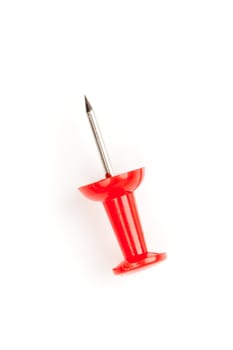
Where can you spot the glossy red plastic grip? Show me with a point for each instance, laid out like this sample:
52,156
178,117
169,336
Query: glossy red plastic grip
116,193
123,216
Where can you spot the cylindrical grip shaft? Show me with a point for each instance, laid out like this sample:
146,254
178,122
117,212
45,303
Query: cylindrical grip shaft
123,215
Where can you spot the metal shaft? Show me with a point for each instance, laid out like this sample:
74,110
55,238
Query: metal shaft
99,139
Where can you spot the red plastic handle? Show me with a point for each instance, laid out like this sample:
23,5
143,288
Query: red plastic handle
123,215
116,193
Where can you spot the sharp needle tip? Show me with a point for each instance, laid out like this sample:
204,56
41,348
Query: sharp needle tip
88,105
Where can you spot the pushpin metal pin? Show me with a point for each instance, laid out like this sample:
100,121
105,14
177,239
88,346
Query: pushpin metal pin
98,139
116,194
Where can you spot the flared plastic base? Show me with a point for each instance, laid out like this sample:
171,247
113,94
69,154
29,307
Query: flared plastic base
146,260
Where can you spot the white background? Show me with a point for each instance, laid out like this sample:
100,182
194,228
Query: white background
159,75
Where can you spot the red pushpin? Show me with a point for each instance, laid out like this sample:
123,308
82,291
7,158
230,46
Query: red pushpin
116,194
